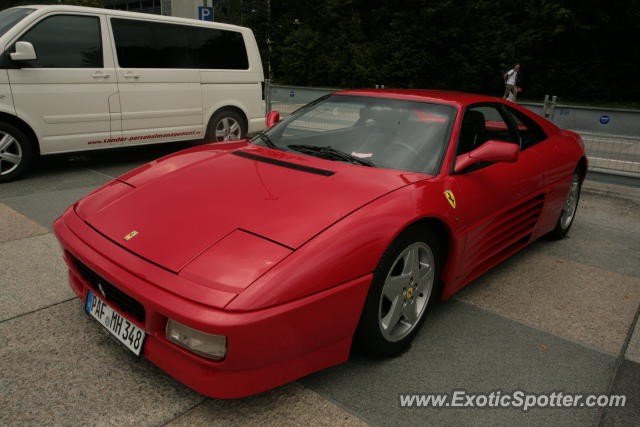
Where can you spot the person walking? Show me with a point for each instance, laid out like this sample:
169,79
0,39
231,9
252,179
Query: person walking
510,83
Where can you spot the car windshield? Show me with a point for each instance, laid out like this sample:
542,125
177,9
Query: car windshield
10,17
380,132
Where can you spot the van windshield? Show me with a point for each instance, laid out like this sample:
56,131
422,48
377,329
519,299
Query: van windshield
10,17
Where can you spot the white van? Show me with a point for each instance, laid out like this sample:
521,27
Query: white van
77,78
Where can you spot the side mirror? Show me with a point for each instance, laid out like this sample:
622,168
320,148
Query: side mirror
24,52
272,118
490,151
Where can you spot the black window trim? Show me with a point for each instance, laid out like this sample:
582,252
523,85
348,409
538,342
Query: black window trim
7,62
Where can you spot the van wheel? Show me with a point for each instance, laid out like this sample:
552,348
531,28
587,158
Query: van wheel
226,125
16,152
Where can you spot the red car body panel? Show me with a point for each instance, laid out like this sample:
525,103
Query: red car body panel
267,201
279,259
266,347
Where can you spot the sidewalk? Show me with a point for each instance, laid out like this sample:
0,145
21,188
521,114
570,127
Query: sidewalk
557,316
626,379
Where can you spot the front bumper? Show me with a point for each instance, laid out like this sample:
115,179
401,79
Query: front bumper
266,348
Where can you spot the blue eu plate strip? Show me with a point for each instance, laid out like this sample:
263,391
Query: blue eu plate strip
87,306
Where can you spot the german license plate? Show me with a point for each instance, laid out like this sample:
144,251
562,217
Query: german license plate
126,332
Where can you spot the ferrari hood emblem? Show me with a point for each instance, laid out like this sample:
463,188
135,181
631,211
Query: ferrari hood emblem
131,235
450,198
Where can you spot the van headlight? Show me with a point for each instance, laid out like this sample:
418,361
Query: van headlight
201,343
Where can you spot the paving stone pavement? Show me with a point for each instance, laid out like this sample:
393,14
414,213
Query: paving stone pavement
557,316
15,226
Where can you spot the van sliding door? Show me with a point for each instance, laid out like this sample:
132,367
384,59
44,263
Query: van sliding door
159,84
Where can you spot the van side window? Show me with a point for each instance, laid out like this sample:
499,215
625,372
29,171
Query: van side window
145,44
66,41
219,49
134,44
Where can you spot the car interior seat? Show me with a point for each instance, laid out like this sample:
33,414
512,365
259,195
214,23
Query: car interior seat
472,131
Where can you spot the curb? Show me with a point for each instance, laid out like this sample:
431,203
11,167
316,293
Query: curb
612,190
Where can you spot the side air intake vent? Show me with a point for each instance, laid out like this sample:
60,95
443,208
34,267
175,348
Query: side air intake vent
507,233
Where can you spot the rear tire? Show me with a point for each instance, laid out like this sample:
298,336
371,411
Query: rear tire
568,213
16,152
226,125
404,287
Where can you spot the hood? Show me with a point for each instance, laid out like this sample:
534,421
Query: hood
183,204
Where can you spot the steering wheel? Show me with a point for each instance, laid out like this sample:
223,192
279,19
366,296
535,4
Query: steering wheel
405,146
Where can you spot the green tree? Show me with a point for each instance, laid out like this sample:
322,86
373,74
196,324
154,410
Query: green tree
579,50
11,3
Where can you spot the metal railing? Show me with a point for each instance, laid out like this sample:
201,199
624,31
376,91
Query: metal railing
614,154
607,153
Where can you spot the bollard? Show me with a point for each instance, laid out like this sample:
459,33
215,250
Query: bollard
549,106
545,107
552,107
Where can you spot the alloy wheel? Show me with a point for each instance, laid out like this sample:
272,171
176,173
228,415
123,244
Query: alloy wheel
10,153
228,129
406,291
570,205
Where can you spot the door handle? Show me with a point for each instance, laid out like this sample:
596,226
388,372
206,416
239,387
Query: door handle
131,75
100,75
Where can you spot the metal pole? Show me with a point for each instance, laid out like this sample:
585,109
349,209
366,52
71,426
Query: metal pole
268,80
269,38
267,95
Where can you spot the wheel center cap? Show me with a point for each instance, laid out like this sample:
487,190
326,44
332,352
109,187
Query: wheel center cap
409,293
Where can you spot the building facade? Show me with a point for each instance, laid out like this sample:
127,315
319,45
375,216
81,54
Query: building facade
181,8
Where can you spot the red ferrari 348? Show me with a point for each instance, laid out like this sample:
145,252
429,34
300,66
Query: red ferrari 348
242,265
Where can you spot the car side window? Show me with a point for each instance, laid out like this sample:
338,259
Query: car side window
483,123
144,44
66,41
530,132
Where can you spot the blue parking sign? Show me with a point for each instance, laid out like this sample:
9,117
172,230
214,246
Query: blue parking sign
205,13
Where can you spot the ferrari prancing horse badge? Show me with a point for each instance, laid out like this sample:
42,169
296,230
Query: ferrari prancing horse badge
131,235
448,194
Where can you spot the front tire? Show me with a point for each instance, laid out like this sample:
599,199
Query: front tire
403,288
568,213
16,152
226,125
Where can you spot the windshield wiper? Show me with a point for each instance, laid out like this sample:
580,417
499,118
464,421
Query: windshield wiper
268,142
330,153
